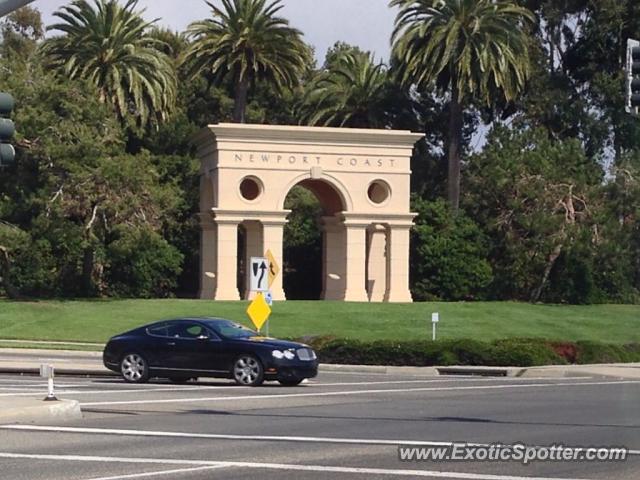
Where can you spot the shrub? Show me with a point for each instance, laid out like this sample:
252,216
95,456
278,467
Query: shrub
594,352
516,352
523,352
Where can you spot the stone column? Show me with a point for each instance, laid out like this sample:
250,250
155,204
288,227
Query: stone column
333,259
272,235
253,242
376,262
208,265
398,264
227,260
355,261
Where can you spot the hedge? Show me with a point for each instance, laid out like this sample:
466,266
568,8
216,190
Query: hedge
519,352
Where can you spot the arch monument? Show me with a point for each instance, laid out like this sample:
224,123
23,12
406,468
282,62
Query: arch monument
361,179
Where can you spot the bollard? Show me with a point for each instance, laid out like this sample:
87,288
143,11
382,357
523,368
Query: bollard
47,371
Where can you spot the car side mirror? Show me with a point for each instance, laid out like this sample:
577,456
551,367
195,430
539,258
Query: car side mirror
203,337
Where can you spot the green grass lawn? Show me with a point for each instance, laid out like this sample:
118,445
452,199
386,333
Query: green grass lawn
96,321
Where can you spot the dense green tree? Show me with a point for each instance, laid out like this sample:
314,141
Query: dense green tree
473,49
72,189
21,30
247,41
448,254
141,264
533,197
109,45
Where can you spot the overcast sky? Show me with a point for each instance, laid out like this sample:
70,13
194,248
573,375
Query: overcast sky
365,23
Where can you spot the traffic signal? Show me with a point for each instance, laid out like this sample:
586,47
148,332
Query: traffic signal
633,77
7,129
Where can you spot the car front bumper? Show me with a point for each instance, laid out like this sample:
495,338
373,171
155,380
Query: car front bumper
291,370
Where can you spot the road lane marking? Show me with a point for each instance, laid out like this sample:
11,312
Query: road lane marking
28,390
268,438
457,378
62,391
159,473
354,392
281,466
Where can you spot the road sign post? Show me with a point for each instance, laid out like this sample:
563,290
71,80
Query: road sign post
269,299
435,318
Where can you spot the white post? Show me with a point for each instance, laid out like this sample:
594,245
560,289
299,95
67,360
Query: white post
435,318
48,372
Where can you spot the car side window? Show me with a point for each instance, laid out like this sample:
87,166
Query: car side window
158,330
187,330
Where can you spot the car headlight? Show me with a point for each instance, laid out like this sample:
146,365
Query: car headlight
277,354
289,355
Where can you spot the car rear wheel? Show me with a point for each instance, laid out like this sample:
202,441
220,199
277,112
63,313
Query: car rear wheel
134,368
248,371
290,383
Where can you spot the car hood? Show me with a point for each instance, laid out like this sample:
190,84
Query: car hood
273,342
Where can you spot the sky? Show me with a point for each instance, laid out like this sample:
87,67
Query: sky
365,23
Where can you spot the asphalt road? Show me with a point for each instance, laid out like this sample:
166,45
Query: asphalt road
336,426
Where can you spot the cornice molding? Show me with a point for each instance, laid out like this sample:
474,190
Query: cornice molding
279,134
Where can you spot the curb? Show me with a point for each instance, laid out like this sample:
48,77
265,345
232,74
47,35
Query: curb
41,411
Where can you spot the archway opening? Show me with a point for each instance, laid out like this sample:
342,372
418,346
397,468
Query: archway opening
309,201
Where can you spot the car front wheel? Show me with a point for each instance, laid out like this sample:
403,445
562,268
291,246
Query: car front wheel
134,368
248,371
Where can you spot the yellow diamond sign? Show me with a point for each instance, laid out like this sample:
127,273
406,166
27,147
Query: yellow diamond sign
258,311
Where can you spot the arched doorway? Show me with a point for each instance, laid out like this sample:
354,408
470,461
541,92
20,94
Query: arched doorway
309,201
360,179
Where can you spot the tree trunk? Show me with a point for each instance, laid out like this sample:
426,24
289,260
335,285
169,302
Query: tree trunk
240,104
455,142
5,266
87,271
551,261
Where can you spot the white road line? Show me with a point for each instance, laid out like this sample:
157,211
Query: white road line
466,378
355,392
281,466
270,438
187,388
62,391
162,472
31,388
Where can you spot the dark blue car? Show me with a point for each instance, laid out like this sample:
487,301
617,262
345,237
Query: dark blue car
187,348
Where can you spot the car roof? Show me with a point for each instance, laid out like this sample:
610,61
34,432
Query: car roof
189,319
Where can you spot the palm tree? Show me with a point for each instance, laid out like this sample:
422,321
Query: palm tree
109,45
247,41
474,49
350,93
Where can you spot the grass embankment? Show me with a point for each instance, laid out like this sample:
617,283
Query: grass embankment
96,321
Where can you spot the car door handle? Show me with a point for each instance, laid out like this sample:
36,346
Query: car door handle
171,344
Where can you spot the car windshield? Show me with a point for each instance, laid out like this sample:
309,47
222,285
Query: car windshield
230,329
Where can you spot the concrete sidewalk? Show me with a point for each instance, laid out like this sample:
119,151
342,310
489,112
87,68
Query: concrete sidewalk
83,363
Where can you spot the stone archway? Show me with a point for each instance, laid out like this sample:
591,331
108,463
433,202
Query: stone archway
361,178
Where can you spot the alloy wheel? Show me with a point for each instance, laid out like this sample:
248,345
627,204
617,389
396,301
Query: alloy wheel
248,371
134,368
